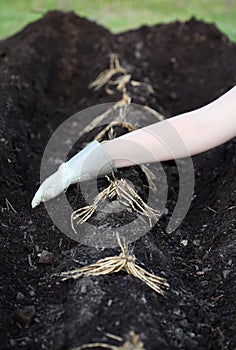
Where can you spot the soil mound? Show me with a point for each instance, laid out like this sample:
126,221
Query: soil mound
45,71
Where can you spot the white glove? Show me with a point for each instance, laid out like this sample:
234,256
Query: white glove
90,163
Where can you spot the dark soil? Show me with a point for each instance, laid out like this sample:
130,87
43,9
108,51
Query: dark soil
44,75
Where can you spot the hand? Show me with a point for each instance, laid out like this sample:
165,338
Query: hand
88,164
53,185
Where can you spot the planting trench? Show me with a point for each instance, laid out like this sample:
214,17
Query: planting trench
45,71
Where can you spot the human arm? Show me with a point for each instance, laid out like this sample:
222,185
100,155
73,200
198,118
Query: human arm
178,137
199,131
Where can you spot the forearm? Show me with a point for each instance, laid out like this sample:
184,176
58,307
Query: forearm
178,137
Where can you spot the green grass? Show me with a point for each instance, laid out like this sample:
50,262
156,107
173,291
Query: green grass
121,15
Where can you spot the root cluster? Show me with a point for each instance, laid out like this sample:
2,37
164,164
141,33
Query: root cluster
124,193
125,261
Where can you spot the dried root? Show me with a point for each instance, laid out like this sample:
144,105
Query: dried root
111,133
125,261
119,106
121,117
124,193
133,342
150,176
105,77
148,86
120,83
124,125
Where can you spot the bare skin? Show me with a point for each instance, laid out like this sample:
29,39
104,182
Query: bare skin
199,130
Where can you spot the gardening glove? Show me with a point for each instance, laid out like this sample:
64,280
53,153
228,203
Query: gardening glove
90,163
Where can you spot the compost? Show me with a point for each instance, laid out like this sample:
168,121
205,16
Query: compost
45,71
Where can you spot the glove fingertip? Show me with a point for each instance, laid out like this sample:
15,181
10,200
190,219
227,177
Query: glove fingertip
36,199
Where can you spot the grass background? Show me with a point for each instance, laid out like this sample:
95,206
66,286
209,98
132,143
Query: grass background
121,15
